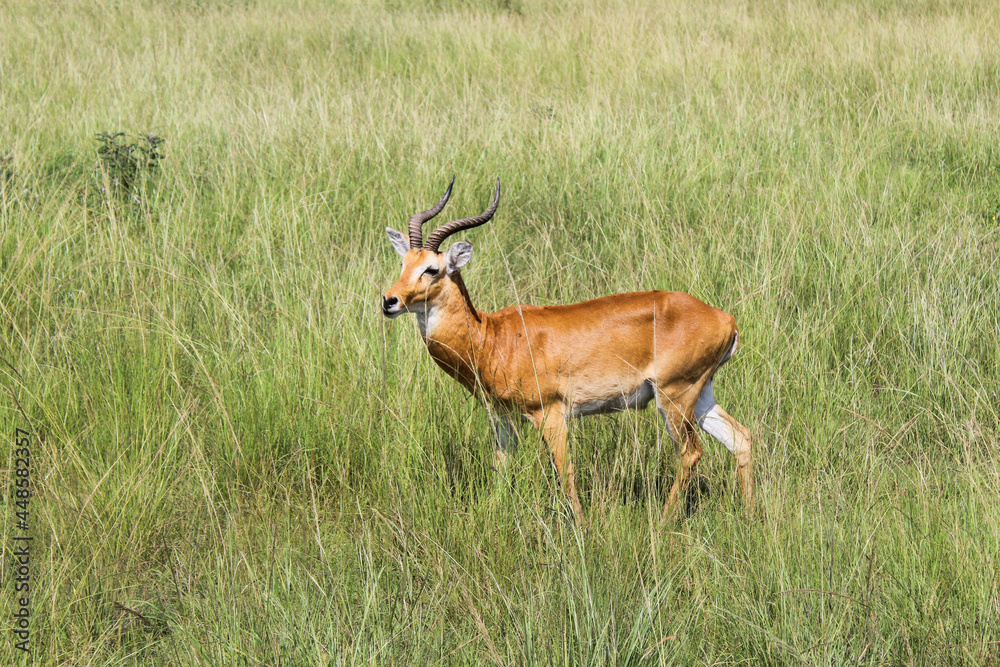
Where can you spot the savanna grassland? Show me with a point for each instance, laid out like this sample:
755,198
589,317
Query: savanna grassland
237,461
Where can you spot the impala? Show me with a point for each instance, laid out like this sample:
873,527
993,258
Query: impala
548,364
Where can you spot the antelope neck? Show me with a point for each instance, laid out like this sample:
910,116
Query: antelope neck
452,314
452,329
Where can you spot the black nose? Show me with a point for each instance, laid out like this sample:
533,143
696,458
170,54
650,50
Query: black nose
387,304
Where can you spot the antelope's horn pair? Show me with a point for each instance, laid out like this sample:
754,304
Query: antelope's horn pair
441,233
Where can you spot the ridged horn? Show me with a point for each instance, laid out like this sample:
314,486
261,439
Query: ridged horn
441,233
418,220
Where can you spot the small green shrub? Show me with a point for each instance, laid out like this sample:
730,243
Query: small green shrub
126,167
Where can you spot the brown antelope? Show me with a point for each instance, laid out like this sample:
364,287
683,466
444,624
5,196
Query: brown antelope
550,363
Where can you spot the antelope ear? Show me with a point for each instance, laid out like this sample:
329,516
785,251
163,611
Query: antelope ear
459,255
398,241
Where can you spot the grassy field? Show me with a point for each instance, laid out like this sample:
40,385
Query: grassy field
237,461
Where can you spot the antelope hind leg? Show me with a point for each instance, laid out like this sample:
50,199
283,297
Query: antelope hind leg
688,452
717,423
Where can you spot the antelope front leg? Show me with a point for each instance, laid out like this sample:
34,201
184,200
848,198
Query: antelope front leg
505,438
554,432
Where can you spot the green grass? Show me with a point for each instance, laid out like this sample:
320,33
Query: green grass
239,462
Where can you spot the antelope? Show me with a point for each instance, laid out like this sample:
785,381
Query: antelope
548,364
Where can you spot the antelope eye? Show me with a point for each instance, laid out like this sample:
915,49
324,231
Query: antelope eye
431,271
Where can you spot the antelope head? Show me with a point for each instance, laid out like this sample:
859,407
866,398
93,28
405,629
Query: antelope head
428,275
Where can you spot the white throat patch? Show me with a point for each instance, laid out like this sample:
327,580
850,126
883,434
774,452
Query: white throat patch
427,320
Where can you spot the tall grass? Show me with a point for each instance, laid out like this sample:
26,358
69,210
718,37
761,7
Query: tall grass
237,461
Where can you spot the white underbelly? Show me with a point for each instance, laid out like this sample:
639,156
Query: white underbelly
638,399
